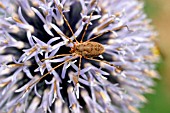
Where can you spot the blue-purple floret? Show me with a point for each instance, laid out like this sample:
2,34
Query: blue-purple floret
34,32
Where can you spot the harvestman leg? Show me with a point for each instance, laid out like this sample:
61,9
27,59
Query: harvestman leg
117,28
118,69
91,14
60,10
55,57
79,66
49,73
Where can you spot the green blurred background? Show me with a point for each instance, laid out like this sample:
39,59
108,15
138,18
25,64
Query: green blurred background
159,12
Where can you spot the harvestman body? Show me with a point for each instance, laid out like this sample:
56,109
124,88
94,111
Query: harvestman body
88,49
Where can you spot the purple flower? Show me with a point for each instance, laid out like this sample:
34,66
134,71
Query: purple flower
75,56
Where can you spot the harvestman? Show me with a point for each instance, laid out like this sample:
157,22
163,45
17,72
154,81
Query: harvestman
87,49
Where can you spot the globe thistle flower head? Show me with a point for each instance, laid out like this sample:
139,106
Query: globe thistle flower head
77,56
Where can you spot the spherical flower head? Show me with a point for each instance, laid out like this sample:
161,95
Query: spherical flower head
61,56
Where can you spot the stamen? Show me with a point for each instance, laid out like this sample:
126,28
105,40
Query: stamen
15,18
2,5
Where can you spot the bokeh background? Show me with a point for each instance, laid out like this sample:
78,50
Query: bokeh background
159,12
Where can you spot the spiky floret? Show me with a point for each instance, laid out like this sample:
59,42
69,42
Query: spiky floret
39,74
